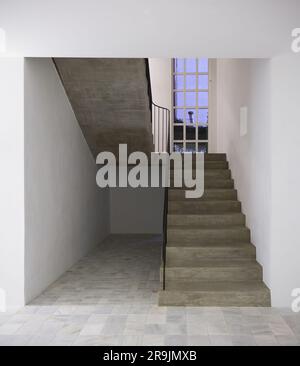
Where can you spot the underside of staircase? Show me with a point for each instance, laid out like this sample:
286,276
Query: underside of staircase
210,260
110,99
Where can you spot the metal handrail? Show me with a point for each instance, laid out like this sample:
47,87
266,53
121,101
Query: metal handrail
161,129
161,141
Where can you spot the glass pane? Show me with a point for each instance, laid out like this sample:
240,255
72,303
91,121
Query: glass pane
203,117
202,133
179,82
190,82
178,146
178,132
203,82
179,99
190,65
190,132
190,99
179,65
179,115
203,99
190,116
190,147
203,65
203,147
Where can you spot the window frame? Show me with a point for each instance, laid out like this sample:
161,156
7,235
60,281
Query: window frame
184,141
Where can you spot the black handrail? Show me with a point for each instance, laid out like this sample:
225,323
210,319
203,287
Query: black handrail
149,83
160,119
160,128
161,124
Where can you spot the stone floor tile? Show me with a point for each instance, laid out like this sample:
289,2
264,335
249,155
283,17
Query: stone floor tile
110,297
221,340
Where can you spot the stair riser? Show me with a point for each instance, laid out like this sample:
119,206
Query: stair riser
179,195
216,165
211,157
239,273
239,299
208,236
214,157
208,165
218,183
210,173
205,207
192,257
206,220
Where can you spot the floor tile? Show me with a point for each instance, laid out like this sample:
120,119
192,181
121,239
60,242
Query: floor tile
110,297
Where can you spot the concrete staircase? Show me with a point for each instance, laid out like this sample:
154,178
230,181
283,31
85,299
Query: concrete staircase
110,99
210,260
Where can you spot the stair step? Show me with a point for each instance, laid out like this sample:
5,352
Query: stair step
190,234
209,194
216,270
208,173
191,206
214,157
210,156
208,164
211,293
218,183
202,220
222,164
192,256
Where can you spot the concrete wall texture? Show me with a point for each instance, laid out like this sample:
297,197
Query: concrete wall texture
110,100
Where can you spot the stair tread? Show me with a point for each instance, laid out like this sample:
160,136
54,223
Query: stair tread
208,214
190,200
206,190
216,286
213,245
219,263
208,228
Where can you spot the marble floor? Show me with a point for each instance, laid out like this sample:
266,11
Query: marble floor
110,298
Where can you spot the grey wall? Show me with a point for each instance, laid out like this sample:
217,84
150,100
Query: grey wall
136,210
66,214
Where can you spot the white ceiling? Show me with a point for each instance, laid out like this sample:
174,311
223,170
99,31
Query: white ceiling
143,28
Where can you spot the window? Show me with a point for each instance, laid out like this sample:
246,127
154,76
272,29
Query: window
190,102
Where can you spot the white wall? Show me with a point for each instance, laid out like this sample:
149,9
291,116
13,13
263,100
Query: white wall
66,213
137,28
136,210
247,83
265,162
161,81
285,162
12,180
243,82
